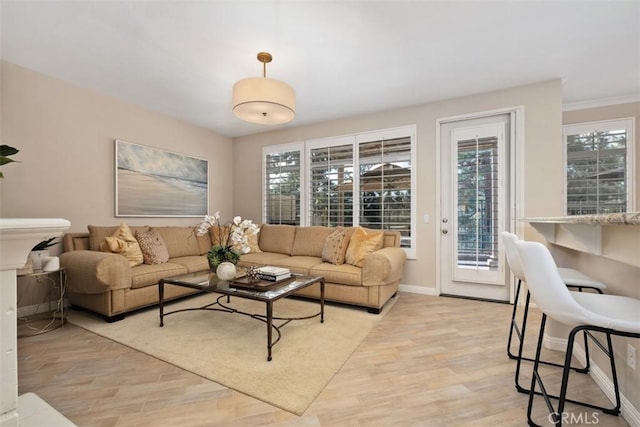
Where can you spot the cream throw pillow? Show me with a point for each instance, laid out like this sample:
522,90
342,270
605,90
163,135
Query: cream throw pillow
335,246
362,243
154,251
122,242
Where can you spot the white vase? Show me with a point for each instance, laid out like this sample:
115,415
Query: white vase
37,257
226,271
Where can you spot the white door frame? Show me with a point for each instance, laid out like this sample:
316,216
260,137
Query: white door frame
516,177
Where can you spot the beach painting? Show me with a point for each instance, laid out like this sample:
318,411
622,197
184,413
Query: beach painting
154,182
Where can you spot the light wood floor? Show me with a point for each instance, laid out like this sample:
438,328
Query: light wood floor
432,361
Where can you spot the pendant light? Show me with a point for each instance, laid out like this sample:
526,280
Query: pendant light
262,100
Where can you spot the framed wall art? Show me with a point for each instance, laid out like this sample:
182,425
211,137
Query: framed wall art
154,182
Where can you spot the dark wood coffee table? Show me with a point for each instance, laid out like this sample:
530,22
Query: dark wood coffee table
206,281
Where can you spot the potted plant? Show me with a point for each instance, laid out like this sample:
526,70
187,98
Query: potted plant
40,251
5,152
222,251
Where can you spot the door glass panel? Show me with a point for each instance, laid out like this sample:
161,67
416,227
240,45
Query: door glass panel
478,203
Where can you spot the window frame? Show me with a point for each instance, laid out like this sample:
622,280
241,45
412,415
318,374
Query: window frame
628,123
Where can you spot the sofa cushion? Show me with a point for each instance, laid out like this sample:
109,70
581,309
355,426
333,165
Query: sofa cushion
147,275
261,258
153,248
192,263
335,245
123,242
363,242
98,233
309,241
298,264
345,274
277,238
204,243
180,241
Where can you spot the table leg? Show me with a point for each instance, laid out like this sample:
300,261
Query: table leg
322,300
161,298
269,327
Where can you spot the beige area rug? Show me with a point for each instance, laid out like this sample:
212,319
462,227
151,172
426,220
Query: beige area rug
231,349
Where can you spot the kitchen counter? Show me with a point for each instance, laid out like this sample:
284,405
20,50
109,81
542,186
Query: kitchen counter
615,236
626,218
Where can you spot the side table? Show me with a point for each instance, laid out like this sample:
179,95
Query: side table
40,323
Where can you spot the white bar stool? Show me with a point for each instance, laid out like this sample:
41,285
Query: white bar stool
608,314
572,279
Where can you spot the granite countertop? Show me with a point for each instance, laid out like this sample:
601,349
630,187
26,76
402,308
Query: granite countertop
626,218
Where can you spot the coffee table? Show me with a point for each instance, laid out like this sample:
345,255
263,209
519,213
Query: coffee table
206,281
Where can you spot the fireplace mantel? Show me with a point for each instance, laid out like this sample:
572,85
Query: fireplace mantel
17,237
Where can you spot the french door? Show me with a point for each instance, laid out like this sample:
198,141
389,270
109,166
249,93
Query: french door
475,193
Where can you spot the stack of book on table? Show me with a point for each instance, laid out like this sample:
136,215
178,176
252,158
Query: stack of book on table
273,274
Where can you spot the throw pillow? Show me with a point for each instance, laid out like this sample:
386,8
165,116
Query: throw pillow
124,243
362,243
252,240
335,246
154,251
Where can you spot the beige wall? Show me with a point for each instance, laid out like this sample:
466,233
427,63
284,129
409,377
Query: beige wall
66,135
542,104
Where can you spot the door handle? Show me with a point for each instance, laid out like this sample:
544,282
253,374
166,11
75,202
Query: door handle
445,231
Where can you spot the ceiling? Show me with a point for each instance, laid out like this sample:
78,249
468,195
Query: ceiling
182,58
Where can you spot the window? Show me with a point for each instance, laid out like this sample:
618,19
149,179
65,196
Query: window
384,191
599,174
331,183
282,173
365,179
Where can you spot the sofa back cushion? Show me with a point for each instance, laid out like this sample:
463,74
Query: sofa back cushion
180,241
309,241
277,238
204,242
98,233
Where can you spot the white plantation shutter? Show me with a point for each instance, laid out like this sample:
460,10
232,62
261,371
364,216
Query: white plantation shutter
282,174
385,185
331,185
364,179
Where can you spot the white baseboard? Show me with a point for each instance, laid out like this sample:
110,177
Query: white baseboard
422,290
30,310
627,410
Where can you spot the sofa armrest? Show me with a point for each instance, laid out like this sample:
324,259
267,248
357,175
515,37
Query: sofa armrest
383,267
93,272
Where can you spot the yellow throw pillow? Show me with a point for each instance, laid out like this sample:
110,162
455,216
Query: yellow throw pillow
122,242
362,243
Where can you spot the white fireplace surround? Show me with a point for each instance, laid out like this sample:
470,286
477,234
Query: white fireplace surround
17,237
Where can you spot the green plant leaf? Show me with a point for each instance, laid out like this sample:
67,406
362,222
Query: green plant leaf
7,150
4,160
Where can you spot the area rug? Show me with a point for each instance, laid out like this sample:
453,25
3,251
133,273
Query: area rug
230,349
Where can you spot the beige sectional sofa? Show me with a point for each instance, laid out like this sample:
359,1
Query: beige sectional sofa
107,284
